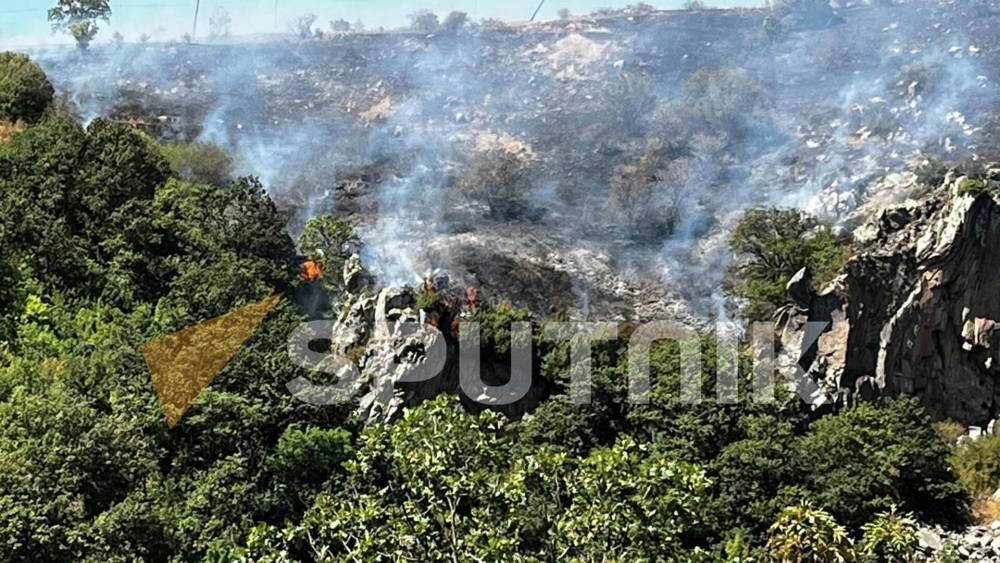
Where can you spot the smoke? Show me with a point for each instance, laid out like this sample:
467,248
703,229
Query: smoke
839,110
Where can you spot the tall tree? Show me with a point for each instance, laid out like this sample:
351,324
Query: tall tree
79,18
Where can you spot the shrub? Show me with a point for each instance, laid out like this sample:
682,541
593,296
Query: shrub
220,23
501,178
804,534
802,14
340,26
754,476
119,164
868,458
972,186
640,200
428,300
977,463
455,22
495,330
309,456
627,102
328,241
200,163
723,99
949,431
25,92
7,130
891,537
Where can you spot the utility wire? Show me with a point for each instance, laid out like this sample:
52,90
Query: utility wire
194,28
538,9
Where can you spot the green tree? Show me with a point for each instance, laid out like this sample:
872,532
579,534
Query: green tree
755,477
627,505
119,164
772,245
79,18
425,487
25,91
866,459
62,463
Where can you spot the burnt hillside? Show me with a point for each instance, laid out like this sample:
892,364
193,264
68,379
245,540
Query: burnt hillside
830,115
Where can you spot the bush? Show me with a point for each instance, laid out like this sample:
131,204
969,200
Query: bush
627,102
977,463
802,14
328,241
307,457
200,163
455,22
972,186
775,244
220,23
25,91
890,538
869,458
804,534
754,477
501,178
640,200
723,99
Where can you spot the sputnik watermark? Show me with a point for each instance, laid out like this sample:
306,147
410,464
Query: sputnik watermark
432,353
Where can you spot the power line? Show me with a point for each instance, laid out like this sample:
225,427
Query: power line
194,28
538,9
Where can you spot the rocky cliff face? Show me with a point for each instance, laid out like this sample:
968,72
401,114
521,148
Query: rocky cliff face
916,311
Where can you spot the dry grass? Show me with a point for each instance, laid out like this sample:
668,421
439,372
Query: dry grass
7,129
986,510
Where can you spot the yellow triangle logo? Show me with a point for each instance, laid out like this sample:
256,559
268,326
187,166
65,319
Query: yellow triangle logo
185,362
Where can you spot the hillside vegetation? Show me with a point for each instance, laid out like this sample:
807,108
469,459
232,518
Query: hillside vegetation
107,241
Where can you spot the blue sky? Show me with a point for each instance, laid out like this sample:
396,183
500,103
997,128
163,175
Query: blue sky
23,21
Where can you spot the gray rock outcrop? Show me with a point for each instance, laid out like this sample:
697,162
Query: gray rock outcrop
915,312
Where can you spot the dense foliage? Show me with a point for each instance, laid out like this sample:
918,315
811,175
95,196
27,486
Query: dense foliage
103,248
774,244
25,92
201,163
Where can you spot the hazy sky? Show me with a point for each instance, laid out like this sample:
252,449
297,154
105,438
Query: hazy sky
23,21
